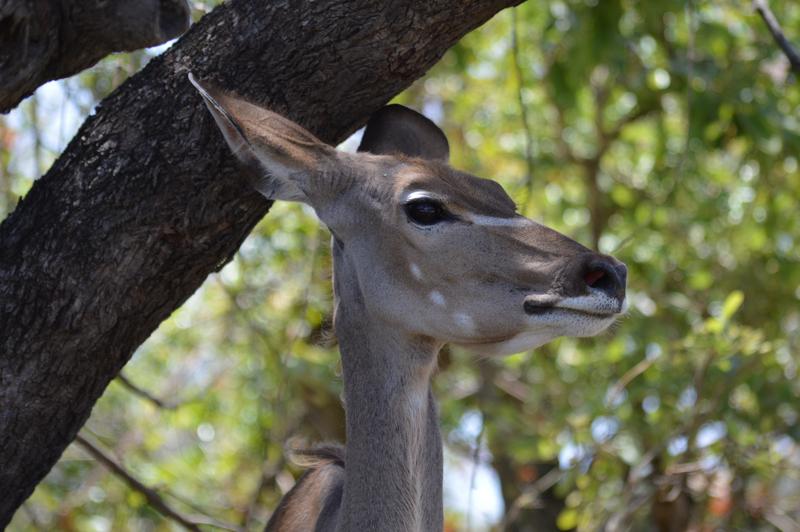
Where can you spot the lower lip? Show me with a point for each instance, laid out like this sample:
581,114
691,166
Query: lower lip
542,310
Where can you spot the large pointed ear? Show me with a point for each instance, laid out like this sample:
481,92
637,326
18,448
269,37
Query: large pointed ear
399,130
283,158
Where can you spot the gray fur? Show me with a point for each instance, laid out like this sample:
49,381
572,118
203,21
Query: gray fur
486,279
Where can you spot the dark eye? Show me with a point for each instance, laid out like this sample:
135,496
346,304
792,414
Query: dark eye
425,211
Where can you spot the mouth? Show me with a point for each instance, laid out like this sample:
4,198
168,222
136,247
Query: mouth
596,304
550,316
542,310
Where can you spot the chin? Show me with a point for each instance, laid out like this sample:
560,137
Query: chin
524,341
548,327
581,324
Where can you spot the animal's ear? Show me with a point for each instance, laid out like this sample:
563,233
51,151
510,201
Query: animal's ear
399,130
283,157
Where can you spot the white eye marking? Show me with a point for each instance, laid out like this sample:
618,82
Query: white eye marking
415,271
516,221
419,194
437,298
464,321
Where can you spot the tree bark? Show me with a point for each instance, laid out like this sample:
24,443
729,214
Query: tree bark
146,200
41,40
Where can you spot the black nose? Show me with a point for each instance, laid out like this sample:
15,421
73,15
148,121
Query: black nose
607,275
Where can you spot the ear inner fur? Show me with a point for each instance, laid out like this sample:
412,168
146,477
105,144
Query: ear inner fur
279,152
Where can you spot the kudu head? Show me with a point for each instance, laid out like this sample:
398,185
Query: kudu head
433,251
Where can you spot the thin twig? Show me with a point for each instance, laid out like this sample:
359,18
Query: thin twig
530,495
689,10
619,520
781,521
640,112
762,8
622,243
153,499
512,387
629,375
201,517
38,144
523,110
268,473
600,210
32,517
144,394
175,403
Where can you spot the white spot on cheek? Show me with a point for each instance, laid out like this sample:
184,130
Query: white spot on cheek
437,298
464,321
415,271
416,402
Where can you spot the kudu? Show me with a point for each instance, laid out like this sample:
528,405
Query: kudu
423,255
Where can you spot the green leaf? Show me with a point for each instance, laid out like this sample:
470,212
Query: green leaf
568,519
731,305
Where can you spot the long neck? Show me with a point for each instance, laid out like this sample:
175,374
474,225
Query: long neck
393,471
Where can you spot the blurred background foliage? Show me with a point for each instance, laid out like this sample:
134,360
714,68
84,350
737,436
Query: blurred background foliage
664,132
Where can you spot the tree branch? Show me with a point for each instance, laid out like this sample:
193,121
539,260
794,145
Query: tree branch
42,40
147,200
152,497
530,495
762,7
523,109
598,207
144,394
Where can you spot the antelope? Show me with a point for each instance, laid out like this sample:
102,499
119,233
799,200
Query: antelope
423,255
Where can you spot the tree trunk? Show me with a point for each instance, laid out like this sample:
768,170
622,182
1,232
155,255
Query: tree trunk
42,40
146,200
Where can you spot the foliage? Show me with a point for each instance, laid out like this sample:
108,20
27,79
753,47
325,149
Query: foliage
664,132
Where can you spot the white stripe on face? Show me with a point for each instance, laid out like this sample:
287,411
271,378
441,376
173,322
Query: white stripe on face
516,221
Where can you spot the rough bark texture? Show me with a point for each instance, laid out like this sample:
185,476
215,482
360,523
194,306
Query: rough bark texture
146,200
42,40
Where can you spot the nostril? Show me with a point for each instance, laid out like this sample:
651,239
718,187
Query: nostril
604,277
593,277
606,284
